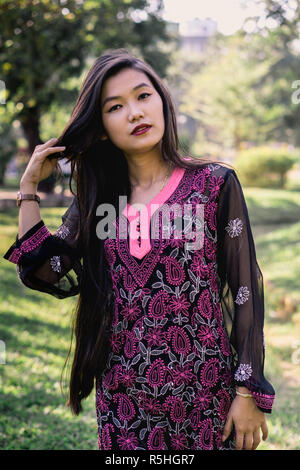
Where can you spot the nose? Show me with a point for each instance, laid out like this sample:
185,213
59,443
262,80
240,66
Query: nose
135,113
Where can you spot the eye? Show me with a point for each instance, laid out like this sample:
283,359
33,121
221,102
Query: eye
113,108
142,94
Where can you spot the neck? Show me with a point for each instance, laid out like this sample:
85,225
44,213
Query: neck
146,170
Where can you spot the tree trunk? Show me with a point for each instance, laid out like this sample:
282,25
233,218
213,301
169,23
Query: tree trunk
31,123
282,180
31,127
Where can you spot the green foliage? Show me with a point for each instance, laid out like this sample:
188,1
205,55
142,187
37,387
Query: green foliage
278,38
240,88
44,43
46,48
265,166
222,95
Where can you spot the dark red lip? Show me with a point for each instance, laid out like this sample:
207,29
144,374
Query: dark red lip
140,126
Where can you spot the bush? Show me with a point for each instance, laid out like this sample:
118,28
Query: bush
265,166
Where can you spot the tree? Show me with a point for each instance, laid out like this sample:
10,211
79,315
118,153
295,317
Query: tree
8,142
279,32
43,43
222,96
241,87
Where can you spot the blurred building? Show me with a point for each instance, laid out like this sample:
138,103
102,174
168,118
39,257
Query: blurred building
195,34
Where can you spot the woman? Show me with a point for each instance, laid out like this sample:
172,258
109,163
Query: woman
171,335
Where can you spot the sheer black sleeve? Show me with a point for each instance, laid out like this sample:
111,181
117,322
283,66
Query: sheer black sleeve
48,262
242,292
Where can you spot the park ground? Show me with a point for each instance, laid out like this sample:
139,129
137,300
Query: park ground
36,330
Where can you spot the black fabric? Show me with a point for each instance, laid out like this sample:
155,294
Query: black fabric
36,268
242,292
241,280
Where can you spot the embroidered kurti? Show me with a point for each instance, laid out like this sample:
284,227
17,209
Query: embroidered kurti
188,310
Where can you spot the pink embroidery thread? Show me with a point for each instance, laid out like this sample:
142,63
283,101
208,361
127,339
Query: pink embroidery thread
30,244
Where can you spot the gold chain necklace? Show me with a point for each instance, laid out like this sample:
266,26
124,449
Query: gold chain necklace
165,180
139,221
166,177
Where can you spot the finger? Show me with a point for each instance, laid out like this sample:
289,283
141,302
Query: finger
265,431
256,439
239,441
48,143
53,149
227,428
50,150
248,441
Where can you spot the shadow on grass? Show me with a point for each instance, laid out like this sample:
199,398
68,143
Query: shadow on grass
13,326
285,236
13,320
290,284
38,420
280,211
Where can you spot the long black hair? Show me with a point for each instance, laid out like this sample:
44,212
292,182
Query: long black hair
100,172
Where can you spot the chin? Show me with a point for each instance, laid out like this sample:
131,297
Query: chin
143,146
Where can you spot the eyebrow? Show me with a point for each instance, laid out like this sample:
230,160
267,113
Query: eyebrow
110,98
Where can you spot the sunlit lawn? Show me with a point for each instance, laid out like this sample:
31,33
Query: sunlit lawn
36,330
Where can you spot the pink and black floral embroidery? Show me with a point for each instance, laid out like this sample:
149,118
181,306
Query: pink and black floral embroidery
171,371
168,382
243,372
169,379
30,244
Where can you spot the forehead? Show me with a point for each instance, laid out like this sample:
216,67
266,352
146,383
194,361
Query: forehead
123,82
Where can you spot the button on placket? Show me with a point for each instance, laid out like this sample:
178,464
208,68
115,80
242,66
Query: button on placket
139,248
139,229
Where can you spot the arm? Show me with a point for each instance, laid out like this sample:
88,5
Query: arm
46,262
29,211
242,296
43,260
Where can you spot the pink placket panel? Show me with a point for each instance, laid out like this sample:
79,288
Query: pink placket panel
139,218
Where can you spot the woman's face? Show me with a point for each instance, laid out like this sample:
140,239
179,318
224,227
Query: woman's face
129,99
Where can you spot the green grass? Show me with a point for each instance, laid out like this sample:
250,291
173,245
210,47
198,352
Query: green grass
36,329
275,220
273,206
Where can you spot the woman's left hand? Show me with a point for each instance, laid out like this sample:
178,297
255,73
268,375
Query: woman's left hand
247,420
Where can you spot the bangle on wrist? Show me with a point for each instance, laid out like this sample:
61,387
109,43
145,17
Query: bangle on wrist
245,395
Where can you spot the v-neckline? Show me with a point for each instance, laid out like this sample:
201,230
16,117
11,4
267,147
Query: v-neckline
142,250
